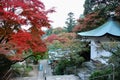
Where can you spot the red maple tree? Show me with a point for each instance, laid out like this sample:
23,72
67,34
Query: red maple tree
51,38
17,13
90,21
64,38
95,19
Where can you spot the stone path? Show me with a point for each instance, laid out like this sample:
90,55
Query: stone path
28,78
62,77
46,73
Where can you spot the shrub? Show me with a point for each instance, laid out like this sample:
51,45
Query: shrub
101,74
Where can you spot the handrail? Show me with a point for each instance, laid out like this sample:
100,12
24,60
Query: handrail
7,74
113,72
101,76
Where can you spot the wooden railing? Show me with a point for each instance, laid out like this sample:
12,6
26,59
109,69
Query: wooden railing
6,75
109,76
106,76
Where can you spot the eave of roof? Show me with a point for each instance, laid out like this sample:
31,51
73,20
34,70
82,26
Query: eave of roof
111,27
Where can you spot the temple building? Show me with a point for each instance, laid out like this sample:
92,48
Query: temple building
107,32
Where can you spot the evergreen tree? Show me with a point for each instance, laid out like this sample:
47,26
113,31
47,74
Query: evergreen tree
49,31
87,7
70,22
96,13
106,6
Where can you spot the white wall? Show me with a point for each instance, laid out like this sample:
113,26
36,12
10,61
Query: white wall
96,53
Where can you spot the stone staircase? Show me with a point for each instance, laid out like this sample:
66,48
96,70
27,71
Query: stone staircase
87,69
62,77
28,78
57,77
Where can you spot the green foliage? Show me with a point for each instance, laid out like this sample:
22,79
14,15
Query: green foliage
96,13
114,48
57,30
95,5
60,68
75,59
45,56
55,45
96,75
49,31
67,61
87,7
72,47
70,22
67,50
115,59
21,69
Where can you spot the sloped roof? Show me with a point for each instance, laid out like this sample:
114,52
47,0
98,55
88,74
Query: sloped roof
111,27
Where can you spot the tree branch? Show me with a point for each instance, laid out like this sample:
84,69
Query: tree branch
13,62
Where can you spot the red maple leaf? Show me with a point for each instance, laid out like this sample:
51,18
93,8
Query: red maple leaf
14,14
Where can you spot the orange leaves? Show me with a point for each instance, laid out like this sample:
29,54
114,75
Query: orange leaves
16,57
65,41
21,39
25,41
2,31
51,38
14,14
40,47
117,11
64,38
29,10
90,21
67,38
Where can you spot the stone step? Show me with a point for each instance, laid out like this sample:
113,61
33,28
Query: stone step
57,77
28,78
62,77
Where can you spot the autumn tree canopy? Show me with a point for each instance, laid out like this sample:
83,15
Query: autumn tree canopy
96,13
14,14
65,41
